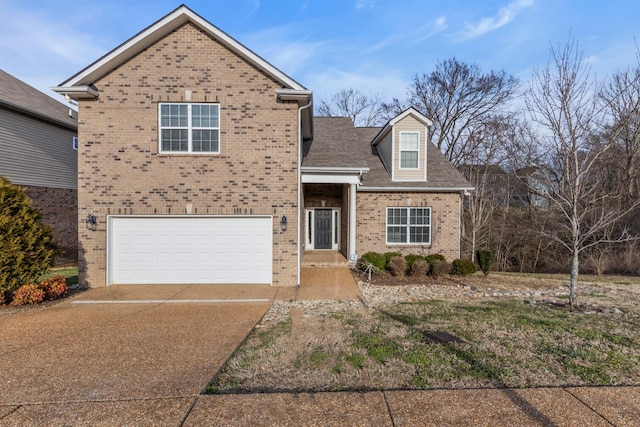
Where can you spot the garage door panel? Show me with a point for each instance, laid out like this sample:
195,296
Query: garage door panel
190,250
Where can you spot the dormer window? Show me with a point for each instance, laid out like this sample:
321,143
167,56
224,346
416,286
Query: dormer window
409,150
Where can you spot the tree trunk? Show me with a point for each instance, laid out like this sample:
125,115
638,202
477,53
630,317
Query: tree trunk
573,285
473,244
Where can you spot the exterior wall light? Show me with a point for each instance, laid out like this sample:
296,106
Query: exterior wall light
91,222
283,223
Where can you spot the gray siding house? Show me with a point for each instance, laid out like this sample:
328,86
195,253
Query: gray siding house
37,152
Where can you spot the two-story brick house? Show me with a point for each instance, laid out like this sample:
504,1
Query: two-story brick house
200,162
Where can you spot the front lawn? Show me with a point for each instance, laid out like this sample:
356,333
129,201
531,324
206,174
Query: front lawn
69,273
495,342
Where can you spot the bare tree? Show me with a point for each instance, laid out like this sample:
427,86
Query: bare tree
482,167
622,99
567,105
362,109
459,98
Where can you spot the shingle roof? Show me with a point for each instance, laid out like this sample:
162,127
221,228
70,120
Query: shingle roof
337,143
18,95
334,144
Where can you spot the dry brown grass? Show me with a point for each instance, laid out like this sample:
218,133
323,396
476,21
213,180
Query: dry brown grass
510,343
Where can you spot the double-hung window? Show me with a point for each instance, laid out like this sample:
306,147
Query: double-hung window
190,128
409,149
411,226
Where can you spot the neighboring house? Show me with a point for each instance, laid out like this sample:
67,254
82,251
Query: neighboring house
533,188
490,181
37,152
202,163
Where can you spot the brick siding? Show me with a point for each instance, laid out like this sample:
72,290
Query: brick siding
445,222
59,209
121,172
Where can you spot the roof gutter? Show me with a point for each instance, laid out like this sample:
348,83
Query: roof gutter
77,92
334,170
418,189
299,219
32,113
301,96
294,95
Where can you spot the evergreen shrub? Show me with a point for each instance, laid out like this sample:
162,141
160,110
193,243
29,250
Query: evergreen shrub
463,267
27,249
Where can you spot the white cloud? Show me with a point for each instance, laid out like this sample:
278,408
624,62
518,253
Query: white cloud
433,28
426,31
284,47
504,16
361,4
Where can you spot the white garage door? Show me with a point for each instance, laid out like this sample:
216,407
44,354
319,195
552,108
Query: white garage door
194,249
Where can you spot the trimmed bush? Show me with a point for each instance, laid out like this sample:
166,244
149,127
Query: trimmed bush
397,266
485,260
54,287
389,255
26,247
432,260
411,259
420,268
463,267
434,257
439,268
374,258
28,294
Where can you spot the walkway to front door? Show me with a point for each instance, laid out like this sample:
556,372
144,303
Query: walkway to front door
324,259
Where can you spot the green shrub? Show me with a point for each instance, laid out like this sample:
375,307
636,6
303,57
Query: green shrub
485,260
433,258
28,294
26,248
389,255
54,287
420,267
411,259
374,258
463,267
397,266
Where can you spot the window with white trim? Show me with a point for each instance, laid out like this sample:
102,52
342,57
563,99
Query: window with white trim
409,226
189,128
409,149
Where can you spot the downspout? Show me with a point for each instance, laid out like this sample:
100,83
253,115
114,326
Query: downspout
300,145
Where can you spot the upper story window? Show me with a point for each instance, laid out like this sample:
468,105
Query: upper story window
190,128
409,149
409,226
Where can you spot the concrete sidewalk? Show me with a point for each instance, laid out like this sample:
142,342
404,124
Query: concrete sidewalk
579,407
141,356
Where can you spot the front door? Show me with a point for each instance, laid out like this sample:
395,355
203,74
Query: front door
323,229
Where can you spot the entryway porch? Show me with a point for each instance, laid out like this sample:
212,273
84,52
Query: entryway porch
324,259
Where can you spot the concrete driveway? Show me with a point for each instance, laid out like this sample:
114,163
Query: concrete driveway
123,354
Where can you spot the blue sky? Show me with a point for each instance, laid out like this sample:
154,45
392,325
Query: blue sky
375,46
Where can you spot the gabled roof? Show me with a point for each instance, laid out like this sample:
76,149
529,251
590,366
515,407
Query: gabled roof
408,112
19,96
79,85
337,144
